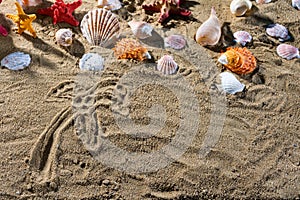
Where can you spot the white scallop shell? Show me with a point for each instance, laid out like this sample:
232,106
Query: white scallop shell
16,61
140,29
176,42
296,4
287,51
209,32
64,37
167,65
240,7
99,26
263,1
109,4
278,31
242,37
91,62
230,84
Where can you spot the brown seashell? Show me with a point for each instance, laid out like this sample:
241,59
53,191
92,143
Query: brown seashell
64,37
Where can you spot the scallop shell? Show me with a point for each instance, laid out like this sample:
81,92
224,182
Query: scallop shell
16,61
167,65
296,4
128,48
209,32
242,37
238,60
278,31
99,26
91,62
109,4
176,42
64,37
230,84
287,51
141,29
263,1
240,7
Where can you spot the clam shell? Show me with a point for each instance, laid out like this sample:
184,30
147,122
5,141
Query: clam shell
263,1
91,62
99,26
140,29
287,51
242,37
296,4
278,31
176,42
209,32
16,61
167,65
230,84
109,4
64,37
240,7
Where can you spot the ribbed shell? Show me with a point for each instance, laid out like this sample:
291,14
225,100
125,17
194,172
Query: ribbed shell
176,42
296,4
140,29
287,51
278,31
99,26
242,37
64,37
230,84
167,65
240,7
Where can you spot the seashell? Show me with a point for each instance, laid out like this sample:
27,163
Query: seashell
287,51
238,60
278,31
29,3
99,26
16,61
296,4
176,42
91,62
242,37
230,84
128,48
140,29
240,7
64,37
109,4
263,1
167,65
209,32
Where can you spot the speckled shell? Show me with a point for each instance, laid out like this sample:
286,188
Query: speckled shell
238,60
240,7
109,4
167,65
176,42
287,51
296,4
230,84
91,62
140,29
64,37
263,1
278,31
242,37
16,61
99,26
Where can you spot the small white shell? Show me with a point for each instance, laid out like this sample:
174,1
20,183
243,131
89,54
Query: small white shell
242,37
64,37
16,61
263,1
296,4
141,29
230,84
167,65
287,51
109,4
278,31
240,7
176,42
91,62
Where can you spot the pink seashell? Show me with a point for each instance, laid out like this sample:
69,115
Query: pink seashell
167,65
176,42
28,3
109,4
141,29
64,37
3,31
278,31
263,1
296,4
287,51
242,37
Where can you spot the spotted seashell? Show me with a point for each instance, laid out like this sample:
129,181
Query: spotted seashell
141,29
242,37
176,42
209,32
91,62
296,4
240,7
167,65
278,31
230,84
287,51
263,1
109,4
16,61
238,60
64,37
99,26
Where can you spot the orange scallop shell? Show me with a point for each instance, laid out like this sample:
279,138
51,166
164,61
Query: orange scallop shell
128,48
240,60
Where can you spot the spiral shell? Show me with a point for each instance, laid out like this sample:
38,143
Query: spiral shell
278,31
287,51
16,61
242,37
209,32
64,37
230,84
176,42
240,7
263,1
167,65
296,4
238,60
141,29
99,26
109,4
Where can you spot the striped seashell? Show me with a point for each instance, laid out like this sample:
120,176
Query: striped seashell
240,7
167,65
140,29
287,51
238,60
230,84
278,31
296,4
109,4
91,62
176,42
99,26
209,32
263,1
64,37
16,61
29,3
242,37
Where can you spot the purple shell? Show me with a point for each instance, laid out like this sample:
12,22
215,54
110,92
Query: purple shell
176,42
296,4
278,31
242,37
287,51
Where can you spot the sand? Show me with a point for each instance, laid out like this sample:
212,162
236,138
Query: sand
174,137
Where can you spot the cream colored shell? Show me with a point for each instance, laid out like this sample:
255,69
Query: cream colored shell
240,7
64,37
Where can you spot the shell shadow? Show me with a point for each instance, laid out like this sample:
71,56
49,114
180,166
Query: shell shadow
5,22
156,40
76,49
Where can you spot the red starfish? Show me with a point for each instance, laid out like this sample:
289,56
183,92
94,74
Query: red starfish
61,12
166,8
